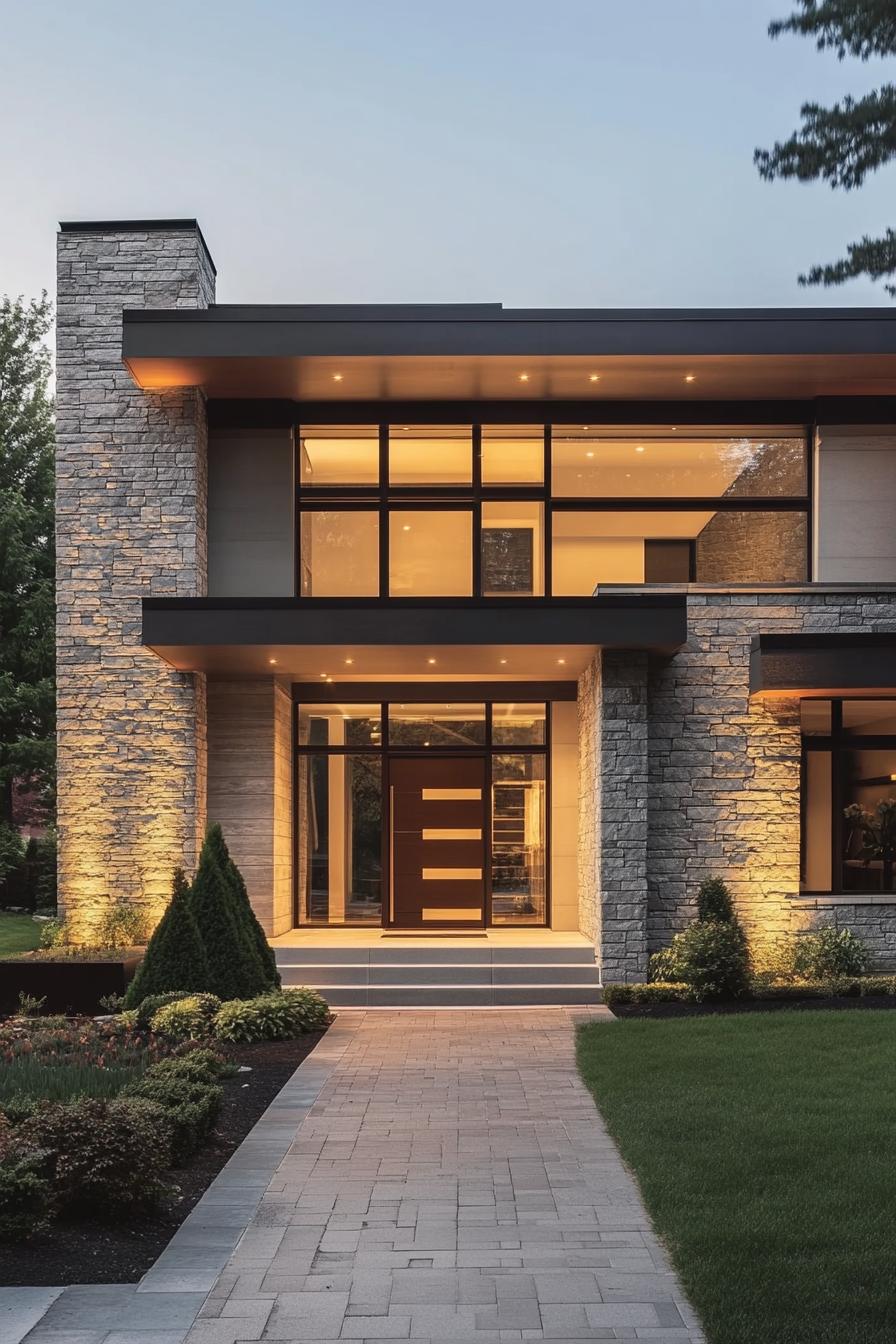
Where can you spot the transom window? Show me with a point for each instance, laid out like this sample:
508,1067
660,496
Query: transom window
848,796
404,510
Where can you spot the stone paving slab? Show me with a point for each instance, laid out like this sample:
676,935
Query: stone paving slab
450,1181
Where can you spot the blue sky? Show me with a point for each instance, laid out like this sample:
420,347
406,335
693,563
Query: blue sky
562,153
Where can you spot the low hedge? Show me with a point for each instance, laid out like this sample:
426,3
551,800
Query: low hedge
657,991
279,1016
844,986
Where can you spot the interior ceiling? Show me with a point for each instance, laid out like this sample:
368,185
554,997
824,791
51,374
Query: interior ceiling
459,662
519,378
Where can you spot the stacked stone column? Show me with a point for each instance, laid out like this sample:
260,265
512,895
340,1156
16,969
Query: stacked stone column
131,500
613,812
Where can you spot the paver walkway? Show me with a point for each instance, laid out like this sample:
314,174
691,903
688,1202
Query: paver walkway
452,1181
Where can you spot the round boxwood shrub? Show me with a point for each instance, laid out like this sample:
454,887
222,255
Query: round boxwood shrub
279,1016
190,1104
103,1157
186,1018
175,958
149,1006
829,952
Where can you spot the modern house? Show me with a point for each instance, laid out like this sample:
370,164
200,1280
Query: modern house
486,634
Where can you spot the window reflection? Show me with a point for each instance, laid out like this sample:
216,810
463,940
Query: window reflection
340,838
430,553
340,553
518,839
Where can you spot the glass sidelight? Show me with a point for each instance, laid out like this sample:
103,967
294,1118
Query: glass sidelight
518,839
340,838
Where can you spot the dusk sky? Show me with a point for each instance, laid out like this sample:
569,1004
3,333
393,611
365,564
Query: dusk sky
572,153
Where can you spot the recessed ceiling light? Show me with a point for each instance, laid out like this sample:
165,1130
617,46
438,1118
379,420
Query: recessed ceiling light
406,527
430,661
323,674
329,681
349,661
524,377
503,662
337,377
690,377
594,377
561,661
639,448
589,454
272,661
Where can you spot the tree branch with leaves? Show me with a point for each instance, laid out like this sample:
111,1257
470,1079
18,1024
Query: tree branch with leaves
843,143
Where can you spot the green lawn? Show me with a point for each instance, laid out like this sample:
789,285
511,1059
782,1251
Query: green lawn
18,933
765,1148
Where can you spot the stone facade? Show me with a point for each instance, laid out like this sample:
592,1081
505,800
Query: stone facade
613,811
131,500
250,788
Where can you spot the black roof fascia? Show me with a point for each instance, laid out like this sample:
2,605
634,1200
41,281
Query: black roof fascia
652,621
288,331
782,664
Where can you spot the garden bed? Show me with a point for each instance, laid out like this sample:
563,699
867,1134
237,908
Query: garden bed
101,1251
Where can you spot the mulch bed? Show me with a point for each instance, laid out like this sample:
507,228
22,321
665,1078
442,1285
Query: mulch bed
750,1006
103,1252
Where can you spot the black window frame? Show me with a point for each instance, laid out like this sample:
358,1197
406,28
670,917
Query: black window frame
382,497
836,743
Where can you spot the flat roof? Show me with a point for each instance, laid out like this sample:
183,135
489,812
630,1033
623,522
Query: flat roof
485,351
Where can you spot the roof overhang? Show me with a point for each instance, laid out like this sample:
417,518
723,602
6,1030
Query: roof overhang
465,639
487,352
822,664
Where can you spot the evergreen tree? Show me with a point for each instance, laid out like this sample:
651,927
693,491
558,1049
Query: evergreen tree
175,957
714,901
242,906
27,704
843,143
235,970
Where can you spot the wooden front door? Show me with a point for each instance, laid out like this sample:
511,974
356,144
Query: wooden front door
438,826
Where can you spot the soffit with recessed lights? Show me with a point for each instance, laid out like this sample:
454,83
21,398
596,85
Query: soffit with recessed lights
488,352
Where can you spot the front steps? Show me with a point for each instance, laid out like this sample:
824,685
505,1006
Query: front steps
392,974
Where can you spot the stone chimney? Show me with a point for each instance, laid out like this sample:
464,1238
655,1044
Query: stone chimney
130,523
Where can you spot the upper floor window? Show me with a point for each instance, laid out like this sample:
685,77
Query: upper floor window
405,510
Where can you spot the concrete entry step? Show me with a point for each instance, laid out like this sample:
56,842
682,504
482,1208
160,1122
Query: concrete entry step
502,972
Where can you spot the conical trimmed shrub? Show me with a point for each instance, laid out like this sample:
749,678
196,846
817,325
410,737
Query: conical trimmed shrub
235,970
175,957
242,906
714,901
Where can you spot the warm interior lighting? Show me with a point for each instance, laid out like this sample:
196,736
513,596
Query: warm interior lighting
503,662
337,377
431,661
349,661
323,674
639,448
406,527
273,662
561,661
524,377
594,378
690,377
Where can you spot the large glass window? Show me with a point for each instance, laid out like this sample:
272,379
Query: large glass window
339,455
470,514
430,553
512,548
848,801
702,546
340,553
512,455
430,455
645,464
435,726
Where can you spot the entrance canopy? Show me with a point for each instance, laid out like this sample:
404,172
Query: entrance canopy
462,639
